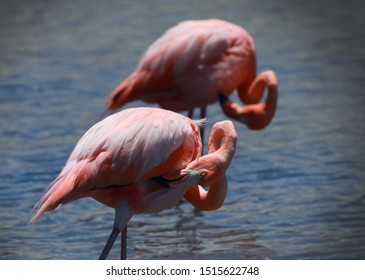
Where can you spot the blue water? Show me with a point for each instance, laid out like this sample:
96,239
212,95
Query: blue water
296,189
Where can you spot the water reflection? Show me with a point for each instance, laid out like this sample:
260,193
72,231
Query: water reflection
192,235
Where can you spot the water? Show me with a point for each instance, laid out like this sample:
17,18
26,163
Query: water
296,189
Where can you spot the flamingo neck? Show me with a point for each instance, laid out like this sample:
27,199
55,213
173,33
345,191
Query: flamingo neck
223,131
248,77
214,165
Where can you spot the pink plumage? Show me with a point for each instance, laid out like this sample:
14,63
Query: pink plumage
144,160
124,149
197,63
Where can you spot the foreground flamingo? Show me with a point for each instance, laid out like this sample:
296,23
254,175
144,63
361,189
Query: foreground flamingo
196,63
144,160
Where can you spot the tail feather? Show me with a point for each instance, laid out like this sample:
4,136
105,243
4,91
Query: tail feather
55,195
127,90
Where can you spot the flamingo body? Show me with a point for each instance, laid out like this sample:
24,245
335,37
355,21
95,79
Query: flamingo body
125,149
144,160
190,65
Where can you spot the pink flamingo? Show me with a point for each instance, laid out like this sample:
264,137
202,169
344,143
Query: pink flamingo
144,160
197,63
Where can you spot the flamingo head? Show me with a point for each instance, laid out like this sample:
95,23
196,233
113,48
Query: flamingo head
190,177
187,178
211,167
255,116
208,171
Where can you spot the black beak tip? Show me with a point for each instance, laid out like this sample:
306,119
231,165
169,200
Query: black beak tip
222,98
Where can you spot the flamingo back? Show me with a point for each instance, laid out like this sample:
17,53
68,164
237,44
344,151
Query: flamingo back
197,58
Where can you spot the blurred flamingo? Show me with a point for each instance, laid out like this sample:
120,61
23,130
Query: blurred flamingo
144,160
197,63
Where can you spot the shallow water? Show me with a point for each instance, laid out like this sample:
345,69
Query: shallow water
296,189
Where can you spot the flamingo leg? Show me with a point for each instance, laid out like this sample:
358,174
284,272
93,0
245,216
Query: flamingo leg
123,213
109,243
123,244
203,112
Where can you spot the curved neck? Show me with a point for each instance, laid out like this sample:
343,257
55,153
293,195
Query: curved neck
243,89
213,167
258,116
223,131
271,100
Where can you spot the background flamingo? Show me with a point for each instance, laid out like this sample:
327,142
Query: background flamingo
196,62
144,160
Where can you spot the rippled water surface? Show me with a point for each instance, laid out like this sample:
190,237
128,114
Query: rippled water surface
296,189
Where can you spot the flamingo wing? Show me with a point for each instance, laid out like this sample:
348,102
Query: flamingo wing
136,144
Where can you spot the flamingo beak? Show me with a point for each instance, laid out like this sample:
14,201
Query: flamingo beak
254,116
188,178
231,109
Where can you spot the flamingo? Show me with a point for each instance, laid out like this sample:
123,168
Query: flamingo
197,63
144,160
